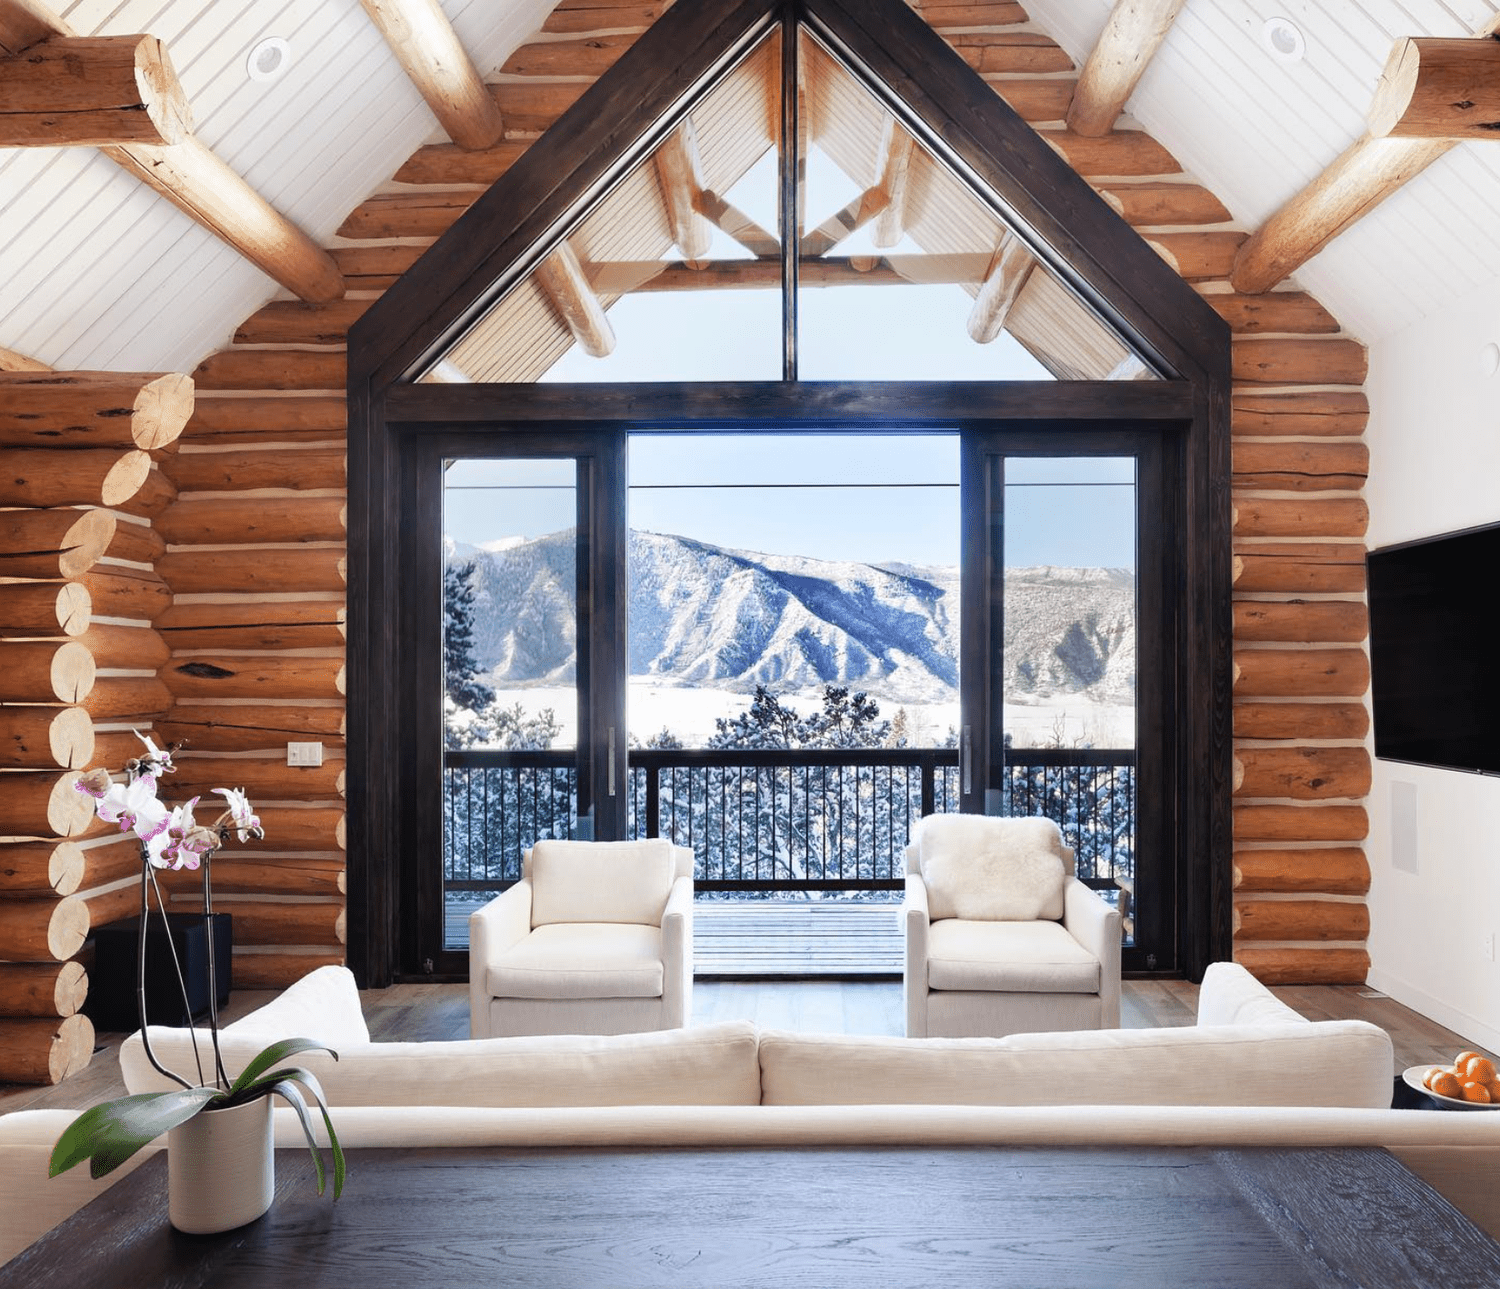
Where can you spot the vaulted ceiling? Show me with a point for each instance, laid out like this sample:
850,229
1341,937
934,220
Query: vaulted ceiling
98,271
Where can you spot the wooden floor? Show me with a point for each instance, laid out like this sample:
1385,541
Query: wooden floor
434,1012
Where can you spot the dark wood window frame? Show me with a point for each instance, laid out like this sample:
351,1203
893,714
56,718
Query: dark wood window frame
615,121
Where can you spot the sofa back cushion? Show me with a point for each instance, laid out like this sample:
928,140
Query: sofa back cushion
1230,995
1324,1063
600,881
987,869
711,1065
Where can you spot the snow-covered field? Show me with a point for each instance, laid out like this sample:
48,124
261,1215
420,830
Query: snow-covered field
690,711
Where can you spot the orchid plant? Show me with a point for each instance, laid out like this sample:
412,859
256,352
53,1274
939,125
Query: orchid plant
171,837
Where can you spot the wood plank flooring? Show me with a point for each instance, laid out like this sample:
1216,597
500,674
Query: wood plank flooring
435,1012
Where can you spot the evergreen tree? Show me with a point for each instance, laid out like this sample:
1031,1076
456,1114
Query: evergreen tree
460,671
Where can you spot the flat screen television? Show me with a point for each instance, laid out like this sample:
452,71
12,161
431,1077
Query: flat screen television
1435,650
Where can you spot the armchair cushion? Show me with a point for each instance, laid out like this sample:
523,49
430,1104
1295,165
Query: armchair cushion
987,869
594,881
581,960
1009,957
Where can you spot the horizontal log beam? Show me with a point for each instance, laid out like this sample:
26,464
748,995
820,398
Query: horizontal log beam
447,163
291,322
1301,673
1311,920
189,571
53,543
125,648
45,671
406,214
273,369
262,780
435,61
1148,204
247,469
263,727
230,521
1300,568
155,494
1299,467
1132,34
139,543
237,873
45,738
266,677
145,410
1311,966
1299,362
281,923
1311,413
303,828
72,476
43,608
1293,720
589,18
1301,621
1327,870
44,1050
1316,821
31,870
52,989
23,23
1293,312
1303,773
1044,99
118,592
255,625
269,416
42,930
1307,516
1120,153
119,698
114,906
1004,53
90,90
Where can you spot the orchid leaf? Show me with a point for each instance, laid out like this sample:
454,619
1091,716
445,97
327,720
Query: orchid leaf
107,1135
274,1055
287,1091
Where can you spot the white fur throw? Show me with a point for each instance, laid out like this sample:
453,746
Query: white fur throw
988,869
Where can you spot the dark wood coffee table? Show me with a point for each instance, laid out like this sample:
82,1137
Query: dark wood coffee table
816,1218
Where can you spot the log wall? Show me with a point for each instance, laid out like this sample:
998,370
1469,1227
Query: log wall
245,589
78,664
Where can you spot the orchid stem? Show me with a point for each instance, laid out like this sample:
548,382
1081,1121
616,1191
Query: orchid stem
140,973
213,975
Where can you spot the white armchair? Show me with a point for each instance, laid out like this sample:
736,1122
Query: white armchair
1001,936
596,938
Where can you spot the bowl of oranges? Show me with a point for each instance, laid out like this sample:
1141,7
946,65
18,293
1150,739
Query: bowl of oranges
1470,1083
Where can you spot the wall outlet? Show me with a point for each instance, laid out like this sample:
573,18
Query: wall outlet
304,754
1489,946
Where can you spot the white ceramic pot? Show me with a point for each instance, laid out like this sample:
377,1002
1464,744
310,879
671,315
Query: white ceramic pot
221,1168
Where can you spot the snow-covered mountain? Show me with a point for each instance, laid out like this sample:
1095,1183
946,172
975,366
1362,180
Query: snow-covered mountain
710,617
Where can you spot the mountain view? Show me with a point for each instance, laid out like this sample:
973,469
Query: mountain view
708,625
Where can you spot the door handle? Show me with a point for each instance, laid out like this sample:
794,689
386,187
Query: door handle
968,759
609,775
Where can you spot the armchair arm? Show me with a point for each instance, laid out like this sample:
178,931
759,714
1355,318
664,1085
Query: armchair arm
914,916
503,922
677,953
1096,926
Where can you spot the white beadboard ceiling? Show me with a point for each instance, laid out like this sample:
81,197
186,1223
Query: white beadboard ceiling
97,271
1255,130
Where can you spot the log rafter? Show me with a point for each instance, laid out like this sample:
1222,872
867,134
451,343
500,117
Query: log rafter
1132,34
434,59
1358,180
1006,277
677,169
565,284
198,182
893,171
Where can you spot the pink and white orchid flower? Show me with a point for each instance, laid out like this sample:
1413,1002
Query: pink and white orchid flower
156,761
133,806
182,842
244,820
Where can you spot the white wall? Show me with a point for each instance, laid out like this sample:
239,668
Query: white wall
1435,467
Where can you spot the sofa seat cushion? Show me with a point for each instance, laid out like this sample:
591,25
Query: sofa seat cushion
1008,957
581,960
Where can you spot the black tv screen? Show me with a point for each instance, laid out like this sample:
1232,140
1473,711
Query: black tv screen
1435,652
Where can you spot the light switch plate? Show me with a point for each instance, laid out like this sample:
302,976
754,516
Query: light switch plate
304,754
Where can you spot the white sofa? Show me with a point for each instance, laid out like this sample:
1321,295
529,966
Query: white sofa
1251,1072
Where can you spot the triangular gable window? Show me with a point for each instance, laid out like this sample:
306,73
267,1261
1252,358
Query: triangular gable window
904,269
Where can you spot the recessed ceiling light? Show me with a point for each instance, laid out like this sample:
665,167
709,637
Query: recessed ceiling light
1283,38
268,58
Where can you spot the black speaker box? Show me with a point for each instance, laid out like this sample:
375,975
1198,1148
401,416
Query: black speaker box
111,1003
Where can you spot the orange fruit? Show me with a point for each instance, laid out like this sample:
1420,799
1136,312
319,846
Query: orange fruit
1495,1089
1476,1092
1462,1059
1480,1069
1445,1083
